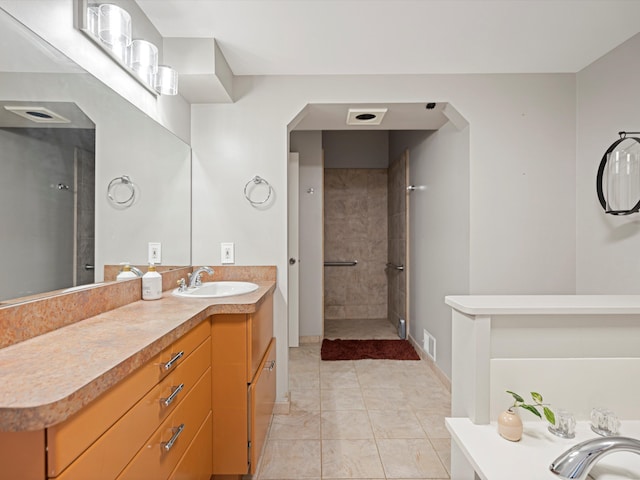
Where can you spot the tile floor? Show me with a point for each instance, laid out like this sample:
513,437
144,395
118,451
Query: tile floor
364,419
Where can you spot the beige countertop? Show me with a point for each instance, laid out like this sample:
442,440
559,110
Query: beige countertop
49,377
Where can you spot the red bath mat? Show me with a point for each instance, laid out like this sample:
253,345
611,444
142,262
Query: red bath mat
367,349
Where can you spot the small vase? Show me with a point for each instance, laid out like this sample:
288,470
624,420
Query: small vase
510,425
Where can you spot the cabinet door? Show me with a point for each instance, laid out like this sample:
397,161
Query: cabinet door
262,396
260,332
22,455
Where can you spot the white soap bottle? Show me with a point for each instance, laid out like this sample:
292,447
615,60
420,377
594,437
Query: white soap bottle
151,284
125,273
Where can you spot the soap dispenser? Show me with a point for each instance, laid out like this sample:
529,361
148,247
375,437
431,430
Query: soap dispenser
125,273
151,284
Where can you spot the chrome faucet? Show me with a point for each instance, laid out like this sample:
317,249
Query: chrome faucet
576,463
195,280
135,270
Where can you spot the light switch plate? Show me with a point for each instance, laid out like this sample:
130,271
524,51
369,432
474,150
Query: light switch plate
227,254
155,253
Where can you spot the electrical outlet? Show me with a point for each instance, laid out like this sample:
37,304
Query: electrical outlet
429,344
227,255
155,253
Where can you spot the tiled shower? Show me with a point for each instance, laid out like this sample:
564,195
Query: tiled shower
355,229
365,221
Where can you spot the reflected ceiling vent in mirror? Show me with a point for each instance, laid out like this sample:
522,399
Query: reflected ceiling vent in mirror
365,116
37,114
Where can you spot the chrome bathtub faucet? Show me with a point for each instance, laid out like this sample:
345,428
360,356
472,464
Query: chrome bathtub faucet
576,463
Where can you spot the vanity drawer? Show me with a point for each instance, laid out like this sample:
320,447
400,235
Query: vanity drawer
107,457
196,463
158,456
67,440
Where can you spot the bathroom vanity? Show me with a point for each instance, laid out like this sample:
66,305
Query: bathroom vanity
167,389
578,351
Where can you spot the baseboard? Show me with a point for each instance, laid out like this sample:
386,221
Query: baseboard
446,382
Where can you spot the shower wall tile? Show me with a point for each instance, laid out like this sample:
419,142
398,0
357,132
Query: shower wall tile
397,225
356,228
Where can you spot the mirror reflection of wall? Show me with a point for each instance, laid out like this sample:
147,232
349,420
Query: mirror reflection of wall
47,198
127,142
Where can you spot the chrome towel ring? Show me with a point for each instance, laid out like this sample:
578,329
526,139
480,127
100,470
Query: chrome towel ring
257,180
126,199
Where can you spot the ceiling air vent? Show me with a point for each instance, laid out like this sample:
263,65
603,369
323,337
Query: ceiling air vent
365,116
37,114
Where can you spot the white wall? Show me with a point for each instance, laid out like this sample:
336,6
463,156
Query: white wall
438,229
53,21
607,246
522,151
356,148
309,146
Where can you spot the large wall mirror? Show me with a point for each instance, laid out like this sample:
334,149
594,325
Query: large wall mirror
86,178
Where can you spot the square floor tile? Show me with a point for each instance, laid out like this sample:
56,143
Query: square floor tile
442,447
351,424
351,459
342,399
395,424
384,398
433,424
296,425
305,400
339,379
410,458
291,459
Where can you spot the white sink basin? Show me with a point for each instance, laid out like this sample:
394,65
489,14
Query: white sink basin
218,289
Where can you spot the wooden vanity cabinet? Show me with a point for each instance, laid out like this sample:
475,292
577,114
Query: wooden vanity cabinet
244,372
130,421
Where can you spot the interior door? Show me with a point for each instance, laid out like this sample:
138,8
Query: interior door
293,283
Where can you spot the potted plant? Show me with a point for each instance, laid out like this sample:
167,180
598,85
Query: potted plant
509,422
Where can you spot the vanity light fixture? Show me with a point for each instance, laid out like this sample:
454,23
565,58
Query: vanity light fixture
111,28
114,29
166,80
618,178
144,60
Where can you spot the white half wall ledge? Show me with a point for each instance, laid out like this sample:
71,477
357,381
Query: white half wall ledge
204,74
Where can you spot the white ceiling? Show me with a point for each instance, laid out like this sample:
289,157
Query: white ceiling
272,37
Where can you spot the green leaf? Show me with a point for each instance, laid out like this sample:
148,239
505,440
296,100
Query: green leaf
532,409
548,414
517,397
536,397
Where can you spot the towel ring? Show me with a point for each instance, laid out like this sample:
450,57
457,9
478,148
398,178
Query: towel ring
125,182
257,180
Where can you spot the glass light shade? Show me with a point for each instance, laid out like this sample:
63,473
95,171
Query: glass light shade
93,13
144,55
143,60
166,81
622,177
114,25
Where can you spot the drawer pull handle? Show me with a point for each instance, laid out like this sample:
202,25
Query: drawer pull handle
174,393
174,359
176,433
270,365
